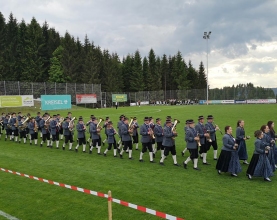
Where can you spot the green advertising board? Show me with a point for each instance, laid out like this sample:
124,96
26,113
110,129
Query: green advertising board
10,101
119,97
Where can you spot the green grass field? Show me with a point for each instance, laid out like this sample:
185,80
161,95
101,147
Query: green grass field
184,193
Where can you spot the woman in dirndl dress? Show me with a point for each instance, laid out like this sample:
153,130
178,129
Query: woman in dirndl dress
259,165
273,138
228,160
268,142
240,139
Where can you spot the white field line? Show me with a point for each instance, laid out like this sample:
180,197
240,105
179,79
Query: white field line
7,216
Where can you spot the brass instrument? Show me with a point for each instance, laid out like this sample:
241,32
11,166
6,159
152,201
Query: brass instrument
209,136
8,125
61,120
198,141
176,121
36,126
71,124
131,128
16,123
24,125
217,127
46,123
98,125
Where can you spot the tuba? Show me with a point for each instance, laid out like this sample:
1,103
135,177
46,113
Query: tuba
8,125
131,128
61,120
47,123
24,125
71,124
36,127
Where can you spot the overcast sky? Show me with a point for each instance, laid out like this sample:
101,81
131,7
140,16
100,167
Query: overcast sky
242,46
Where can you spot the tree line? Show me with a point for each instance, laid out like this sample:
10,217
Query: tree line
38,53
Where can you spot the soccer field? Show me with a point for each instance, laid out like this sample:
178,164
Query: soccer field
184,193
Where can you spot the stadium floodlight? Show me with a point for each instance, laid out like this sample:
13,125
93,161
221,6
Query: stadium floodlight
206,36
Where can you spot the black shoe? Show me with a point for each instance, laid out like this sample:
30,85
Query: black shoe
76,150
176,164
83,151
50,146
121,157
70,149
57,147
115,156
105,155
267,179
30,143
131,158
118,150
206,163
99,153
183,154
141,160
136,148
154,155
215,158
234,175
5,139
161,163
90,152
63,148
196,168
185,165
152,161
40,145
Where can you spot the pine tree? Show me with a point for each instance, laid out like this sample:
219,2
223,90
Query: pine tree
127,72
2,44
202,80
153,74
136,82
145,74
192,77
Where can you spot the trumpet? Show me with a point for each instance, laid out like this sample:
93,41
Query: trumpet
217,127
198,141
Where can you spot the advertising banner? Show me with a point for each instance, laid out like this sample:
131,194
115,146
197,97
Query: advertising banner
53,102
119,97
260,101
86,98
16,101
228,101
240,101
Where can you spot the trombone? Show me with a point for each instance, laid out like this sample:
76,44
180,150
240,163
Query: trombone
98,125
174,129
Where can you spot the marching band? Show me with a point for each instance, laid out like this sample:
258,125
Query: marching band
199,138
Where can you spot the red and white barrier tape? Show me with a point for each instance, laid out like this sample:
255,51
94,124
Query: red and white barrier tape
87,191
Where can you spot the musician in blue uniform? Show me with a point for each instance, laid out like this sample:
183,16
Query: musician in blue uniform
6,127
105,127
2,124
60,122
201,131
168,143
158,132
211,129
228,160
240,139
268,142
33,131
119,123
81,129
111,139
185,129
44,127
126,138
54,131
273,137
191,139
95,135
152,126
146,139
22,130
68,133
38,119
13,125
259,165
89,140
135,127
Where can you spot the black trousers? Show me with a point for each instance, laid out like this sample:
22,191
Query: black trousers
46,136
82,141
15,132
55,137
96,141
193,153
213,143
68,138
128,144
160,146
22,134
112,144
34,136
135,139
170,149
203,148
146,146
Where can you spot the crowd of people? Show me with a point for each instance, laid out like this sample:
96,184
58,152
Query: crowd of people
154,137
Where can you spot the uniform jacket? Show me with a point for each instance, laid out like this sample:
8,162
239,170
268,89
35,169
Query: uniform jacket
80,130
210,127
125,133
228,142
168,137
93,131
200,129
158,131
190,135
145,137
110,133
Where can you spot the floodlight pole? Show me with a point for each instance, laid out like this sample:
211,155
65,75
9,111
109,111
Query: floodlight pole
206,36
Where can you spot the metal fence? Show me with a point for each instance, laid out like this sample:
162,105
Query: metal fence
47,88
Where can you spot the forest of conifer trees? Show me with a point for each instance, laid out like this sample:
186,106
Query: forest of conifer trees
38,53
